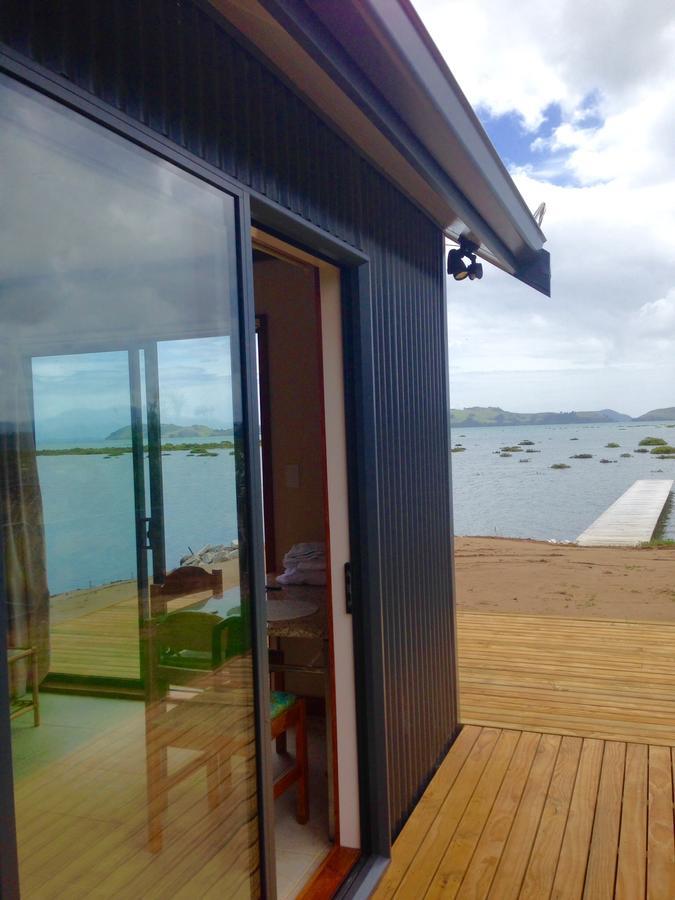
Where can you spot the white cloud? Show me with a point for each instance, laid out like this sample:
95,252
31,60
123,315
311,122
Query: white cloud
607,175
658,316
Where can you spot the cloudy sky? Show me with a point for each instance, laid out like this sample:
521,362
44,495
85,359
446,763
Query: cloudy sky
579,100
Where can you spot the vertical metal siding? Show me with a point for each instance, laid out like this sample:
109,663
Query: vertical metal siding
169,65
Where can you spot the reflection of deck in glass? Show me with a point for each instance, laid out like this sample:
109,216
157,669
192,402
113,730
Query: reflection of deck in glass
103,641
95,632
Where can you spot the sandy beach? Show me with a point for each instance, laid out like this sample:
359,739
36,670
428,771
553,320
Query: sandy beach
538,578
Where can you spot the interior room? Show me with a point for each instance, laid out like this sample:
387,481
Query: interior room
293,465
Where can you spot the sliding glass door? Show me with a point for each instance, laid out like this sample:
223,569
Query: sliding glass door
123,498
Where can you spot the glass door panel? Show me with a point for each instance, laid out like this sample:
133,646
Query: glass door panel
122,491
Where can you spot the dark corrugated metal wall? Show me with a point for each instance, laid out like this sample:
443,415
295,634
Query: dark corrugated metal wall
167,64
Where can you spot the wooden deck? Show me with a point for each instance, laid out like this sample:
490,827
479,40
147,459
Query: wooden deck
518,814
584,677
630,520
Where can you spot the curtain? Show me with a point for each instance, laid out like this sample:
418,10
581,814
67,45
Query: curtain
22,539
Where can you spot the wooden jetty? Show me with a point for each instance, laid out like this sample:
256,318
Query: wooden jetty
632,518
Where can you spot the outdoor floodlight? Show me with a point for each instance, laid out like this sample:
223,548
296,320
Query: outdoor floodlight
456,265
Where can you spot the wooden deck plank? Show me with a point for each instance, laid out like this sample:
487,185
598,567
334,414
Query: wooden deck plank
570,872
454,862
602,859
660,846
513,863
631,876
630,520
410,839
418,877
481,870
564,818
540,872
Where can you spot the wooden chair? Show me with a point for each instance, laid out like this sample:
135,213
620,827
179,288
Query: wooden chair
198,650
190,641
182,582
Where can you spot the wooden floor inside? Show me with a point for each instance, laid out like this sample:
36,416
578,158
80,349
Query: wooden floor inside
583,677
521,814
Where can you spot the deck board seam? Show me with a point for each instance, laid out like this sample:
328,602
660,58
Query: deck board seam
618,838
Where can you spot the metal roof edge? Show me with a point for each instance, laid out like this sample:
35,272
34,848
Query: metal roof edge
522,258
470,132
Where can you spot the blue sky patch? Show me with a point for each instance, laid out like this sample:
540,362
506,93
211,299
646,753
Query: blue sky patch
513,141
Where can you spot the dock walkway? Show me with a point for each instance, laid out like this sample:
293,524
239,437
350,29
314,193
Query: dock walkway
632,518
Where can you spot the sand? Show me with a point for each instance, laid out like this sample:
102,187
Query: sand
537,578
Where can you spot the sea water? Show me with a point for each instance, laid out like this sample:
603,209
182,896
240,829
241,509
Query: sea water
495,495
88,501
89,511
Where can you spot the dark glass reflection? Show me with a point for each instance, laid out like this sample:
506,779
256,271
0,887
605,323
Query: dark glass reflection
120,414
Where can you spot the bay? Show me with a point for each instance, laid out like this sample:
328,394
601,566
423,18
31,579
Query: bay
501,496
88,501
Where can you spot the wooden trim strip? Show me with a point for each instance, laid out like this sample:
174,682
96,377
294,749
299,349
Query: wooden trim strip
330,874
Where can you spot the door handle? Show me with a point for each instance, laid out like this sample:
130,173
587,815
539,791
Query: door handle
349,605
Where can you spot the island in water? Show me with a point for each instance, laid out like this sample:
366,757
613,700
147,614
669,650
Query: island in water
474,416
172,431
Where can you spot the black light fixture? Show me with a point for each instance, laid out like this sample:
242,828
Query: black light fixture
456,265
475,270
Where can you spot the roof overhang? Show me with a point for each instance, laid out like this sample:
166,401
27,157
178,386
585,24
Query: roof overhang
370,68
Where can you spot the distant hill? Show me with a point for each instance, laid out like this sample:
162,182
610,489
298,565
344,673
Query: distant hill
494,415
172,431
667,414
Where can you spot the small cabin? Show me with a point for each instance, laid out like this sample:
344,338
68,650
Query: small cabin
227,646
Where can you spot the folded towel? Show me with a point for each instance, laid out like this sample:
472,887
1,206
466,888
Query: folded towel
305,552
295,576
309,565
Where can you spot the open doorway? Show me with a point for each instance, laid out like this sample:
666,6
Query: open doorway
303,458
